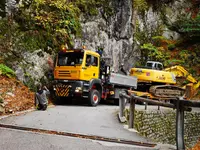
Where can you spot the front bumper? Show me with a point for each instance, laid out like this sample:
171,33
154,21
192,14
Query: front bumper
68,88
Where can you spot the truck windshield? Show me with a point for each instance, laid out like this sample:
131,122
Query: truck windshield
70,59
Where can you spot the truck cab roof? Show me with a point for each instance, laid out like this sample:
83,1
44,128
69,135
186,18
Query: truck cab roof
80,50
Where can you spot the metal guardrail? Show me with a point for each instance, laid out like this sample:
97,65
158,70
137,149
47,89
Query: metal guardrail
181,105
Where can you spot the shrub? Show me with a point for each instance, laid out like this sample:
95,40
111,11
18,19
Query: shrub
171,47
4,70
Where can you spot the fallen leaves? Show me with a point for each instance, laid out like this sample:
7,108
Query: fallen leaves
15,95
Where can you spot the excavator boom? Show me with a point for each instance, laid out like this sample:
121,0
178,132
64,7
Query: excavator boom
180,72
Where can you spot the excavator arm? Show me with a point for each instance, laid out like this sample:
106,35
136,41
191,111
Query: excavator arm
180,72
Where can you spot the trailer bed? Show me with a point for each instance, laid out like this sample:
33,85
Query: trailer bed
123,80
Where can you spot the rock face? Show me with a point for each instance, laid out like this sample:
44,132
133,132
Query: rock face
34,68
114,34
117,35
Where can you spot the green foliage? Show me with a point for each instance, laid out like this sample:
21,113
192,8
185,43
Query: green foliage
90,7
157,40
45,24
157,5
41,24
2,8
48,23
4,70
30,82
147,35
183,54
189,27
8,35
172,62
140,5
154,53
171,46
1,100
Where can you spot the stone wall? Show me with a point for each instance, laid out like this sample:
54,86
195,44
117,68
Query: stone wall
160,126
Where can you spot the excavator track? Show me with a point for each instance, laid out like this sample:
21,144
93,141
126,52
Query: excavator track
166,91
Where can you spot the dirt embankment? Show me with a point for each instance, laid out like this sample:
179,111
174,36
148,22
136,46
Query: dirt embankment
14,96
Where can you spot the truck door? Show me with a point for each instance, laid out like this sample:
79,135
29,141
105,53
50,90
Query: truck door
91,67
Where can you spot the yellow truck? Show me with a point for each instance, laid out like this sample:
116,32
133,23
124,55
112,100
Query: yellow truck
156,82
82,73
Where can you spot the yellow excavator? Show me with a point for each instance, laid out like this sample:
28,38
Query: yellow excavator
156,82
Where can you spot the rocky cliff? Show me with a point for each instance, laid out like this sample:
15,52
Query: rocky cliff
114,34
120,34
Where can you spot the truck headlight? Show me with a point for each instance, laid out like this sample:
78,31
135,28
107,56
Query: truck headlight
78,89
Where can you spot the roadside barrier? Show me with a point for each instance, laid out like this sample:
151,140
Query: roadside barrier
181,105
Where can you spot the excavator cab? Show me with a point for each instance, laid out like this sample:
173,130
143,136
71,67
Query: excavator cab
154,65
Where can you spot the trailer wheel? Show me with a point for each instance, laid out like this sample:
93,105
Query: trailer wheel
94,97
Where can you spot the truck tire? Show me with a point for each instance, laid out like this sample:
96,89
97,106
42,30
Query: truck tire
94,97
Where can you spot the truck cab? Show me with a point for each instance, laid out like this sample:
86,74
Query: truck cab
76,74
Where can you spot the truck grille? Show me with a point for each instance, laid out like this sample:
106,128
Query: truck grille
64,74
62,90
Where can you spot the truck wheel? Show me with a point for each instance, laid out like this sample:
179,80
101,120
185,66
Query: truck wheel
94,97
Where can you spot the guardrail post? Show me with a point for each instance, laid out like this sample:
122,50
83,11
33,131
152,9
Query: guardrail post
121,106
132,111
145,106
159,105
180,125
121,115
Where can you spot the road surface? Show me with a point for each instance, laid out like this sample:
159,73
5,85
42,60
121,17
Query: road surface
99,121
